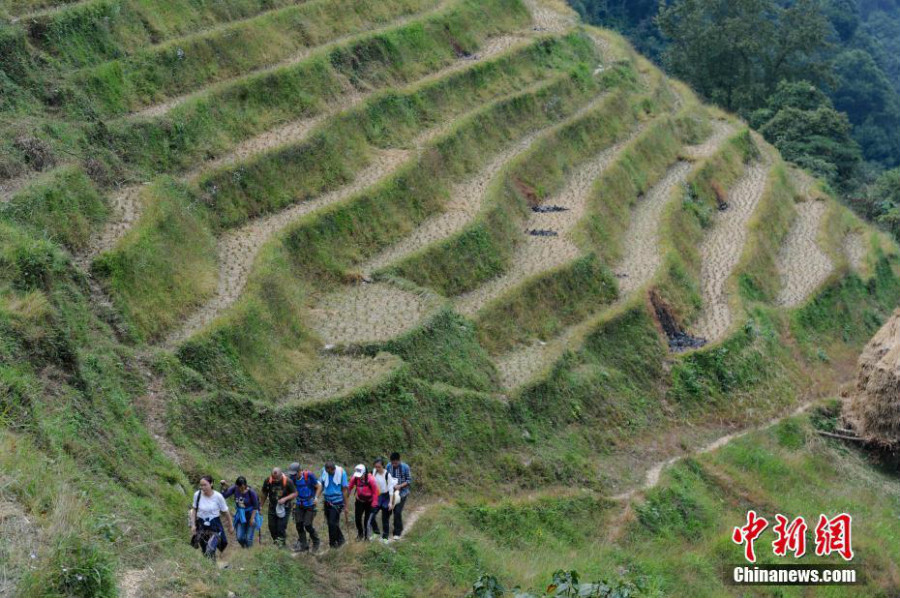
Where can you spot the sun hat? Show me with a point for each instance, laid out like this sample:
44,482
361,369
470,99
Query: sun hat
359,470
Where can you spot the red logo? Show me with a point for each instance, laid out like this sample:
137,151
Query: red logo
831,536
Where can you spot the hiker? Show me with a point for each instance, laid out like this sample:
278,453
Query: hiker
246,509
385,483
334,488
207,510
305,510
400,471
366,500
279,490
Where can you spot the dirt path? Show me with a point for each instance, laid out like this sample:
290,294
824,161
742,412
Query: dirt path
721,251
855,250
466,201
539,254
654,474
166,106
802,263
640,263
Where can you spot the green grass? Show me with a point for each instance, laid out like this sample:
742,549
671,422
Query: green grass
99,30
76,453
314,253
757,273
182,65
165,268
543,306
684,223
323,162
484,248
65,206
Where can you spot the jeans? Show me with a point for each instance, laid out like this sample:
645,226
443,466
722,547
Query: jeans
244,530
278,527
303,519
363,515
333,519
398,516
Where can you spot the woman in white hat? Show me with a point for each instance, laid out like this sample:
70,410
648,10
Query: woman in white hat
366,500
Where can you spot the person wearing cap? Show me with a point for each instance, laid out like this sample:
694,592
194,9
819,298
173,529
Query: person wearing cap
334,489
305,508
400,471
279,490
246,510
366,500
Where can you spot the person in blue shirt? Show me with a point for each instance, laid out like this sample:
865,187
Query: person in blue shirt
305,511
334,487
400,472
246,510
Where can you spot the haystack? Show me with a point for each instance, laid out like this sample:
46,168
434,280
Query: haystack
874,409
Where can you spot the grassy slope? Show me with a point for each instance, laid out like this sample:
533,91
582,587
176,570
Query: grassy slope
72,394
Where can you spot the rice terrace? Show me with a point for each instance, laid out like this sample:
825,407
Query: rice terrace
584,288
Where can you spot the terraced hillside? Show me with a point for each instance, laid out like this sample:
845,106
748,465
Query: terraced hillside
241,233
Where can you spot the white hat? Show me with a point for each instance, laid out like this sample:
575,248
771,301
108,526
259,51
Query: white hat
359,470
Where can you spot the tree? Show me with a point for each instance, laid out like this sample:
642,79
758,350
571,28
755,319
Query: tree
864,92
801,122
735,52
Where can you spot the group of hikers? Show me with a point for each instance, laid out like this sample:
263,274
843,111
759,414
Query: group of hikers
385,489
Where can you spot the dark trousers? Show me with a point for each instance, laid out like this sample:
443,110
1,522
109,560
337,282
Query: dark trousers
362,515
398,516
303,519
278,527
211,537
333,519
384,505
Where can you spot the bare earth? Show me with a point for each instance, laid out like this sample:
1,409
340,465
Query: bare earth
536,255
338,375
466,201
641,261
238,248
721,251
369,313
802,263
855,248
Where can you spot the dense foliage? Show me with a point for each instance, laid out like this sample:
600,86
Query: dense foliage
739,53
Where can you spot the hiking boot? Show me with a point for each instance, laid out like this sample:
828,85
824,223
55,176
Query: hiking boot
396,537
385,541
359,537
297,547
315,548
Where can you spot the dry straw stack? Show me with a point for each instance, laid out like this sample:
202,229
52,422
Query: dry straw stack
874,409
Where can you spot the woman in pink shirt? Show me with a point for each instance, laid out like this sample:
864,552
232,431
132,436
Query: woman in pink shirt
366,500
